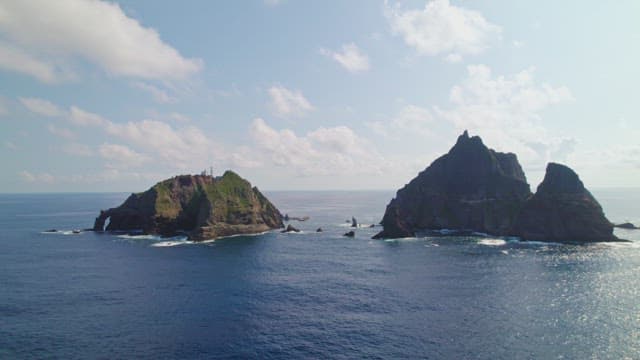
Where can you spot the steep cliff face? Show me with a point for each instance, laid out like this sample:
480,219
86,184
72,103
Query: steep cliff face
563,210
202,206
471,187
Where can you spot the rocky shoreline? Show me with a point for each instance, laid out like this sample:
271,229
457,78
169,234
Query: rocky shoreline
202,207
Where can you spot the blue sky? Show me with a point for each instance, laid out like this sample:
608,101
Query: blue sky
115,96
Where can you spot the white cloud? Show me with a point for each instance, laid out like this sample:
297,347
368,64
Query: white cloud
61,132
453,58
84,118
287,103
41,107
178,148
411,119
325,151
351,58
15,59
37,178
159,95
120,156
43,34
442,28
10,145
505,112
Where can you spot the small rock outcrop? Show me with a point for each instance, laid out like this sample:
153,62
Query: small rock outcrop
563,210
349,234
202,206
471,187
354,222
290,228
627,225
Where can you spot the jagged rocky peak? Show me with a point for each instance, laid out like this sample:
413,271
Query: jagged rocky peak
563,210
202,206
471,187
560,179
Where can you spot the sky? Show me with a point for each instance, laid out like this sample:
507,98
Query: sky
101,96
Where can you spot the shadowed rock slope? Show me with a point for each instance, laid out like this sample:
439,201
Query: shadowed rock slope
470,188
201,206
563,210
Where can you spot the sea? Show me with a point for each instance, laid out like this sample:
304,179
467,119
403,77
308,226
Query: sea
309,295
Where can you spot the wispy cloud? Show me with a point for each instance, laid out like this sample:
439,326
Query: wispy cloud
159,95
61,132
286,103
41,107
350,57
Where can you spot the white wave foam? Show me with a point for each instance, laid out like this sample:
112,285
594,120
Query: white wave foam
492,242
140,237
406,239
172,243
621,245
538,243
238,235
62,232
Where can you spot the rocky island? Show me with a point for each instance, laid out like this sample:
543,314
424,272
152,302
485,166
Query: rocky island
201,206
475,189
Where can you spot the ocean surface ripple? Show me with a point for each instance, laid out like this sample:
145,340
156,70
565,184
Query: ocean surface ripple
309,295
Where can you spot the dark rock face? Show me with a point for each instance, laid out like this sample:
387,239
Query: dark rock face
202,206
354,222
563,210
627,225
471,187
290,228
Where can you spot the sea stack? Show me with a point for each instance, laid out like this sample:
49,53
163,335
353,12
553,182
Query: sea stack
202,206
562,210
470,188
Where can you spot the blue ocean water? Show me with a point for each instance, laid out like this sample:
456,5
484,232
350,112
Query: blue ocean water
309,295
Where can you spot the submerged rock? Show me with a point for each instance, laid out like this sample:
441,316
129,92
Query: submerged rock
349,234
471,187
319,230
563,210
201,206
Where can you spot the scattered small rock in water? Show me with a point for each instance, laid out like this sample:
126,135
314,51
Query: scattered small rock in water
350,234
